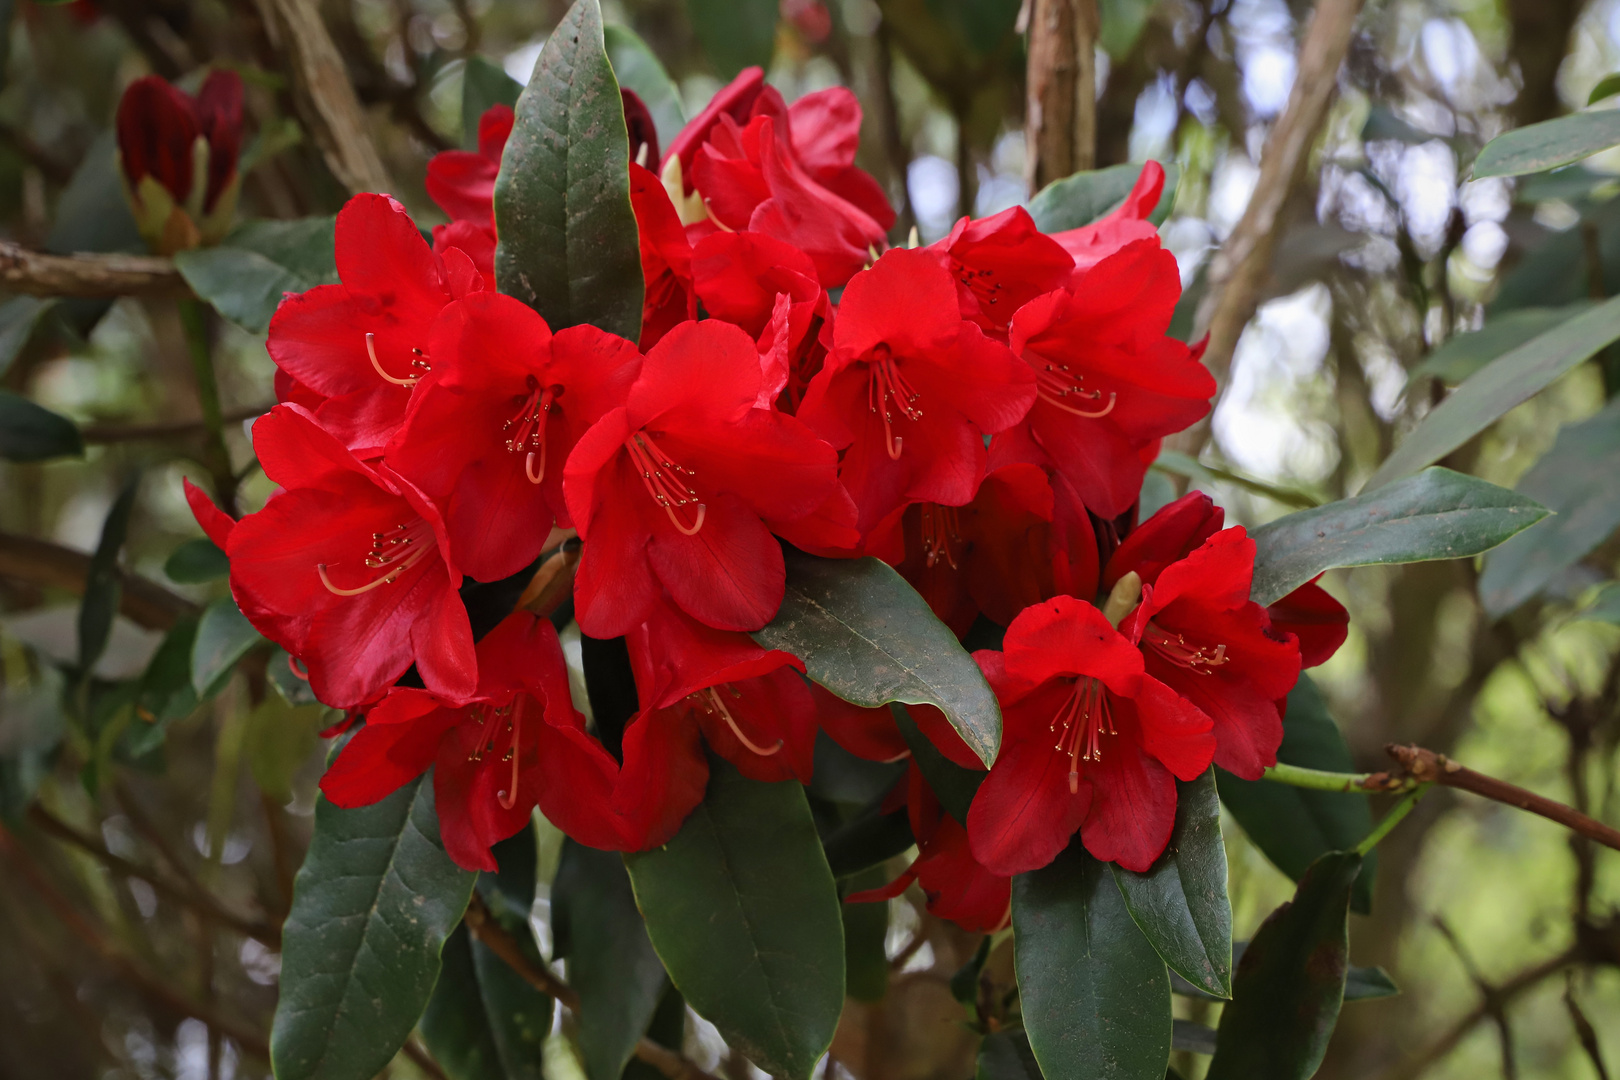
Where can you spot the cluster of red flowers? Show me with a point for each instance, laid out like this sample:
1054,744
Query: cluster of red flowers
979,413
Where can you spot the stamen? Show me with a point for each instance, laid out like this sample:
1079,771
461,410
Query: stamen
888,384
1056,383
530,437
1174,648
509,797
712,703
392,552
940,530
666,482
1085,712
409,381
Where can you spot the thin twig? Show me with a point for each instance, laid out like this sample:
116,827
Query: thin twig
44,563
422,1059
1584,1031
100,434
39,274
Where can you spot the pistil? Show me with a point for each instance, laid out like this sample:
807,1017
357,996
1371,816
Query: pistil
714,704
419,361
941,529
530,436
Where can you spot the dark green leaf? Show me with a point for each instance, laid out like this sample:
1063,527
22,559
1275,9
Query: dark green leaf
841,777
19,316
165,693
965,983
1294,826
1084,197
1191,1037
483,85
638,69
484,1020
1177,463
1005,1055
196,562
509,889
866,929
103,585
372,906
865,635
868,839
92,213
742,908
245,277
954,785
611,962
1437,514
568,244
1549,144
1464,354
1579,481
224,636
1509,380
1369,984
30,432
1181,903
294,690
735,33
1096,997
1290,982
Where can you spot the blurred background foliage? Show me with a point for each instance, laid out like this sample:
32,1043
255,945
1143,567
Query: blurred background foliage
1388,263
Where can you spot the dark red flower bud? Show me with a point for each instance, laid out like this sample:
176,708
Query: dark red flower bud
643,132
178,156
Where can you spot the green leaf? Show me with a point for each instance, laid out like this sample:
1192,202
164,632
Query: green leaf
865,634
1294,826
245,277
30,432
1509,380
611,961
1005,1055
103,585
483,85
280,738
866,929
1181,903
196,562
1608,86
484,1020
954,785
1369,984
743,911
637,68
1604,607
1464,354
224,636
1579,481
1084,197
1096,997
1437,514
868,839
165,694
293,690
735,33
372,906
1549,144
1177,463
568,244
1290,982
19,317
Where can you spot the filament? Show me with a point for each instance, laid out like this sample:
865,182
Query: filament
409,381
713,703
1056,383
530,437
508,798
888,385
1085,713
1174,648
393,552
666,482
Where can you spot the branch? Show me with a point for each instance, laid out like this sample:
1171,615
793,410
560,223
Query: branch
39,274
422,1059
45,563
1060,132
490,933
96,434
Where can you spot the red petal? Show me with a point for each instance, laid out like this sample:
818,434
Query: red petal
1065,637
216,523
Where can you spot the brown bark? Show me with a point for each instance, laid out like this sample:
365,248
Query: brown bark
39,274
45,563
1060,119
1541,30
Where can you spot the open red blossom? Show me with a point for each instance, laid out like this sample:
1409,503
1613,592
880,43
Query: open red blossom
362,344
462,182
1125,224
487,753
1319,622
1109,380
666,259
346,569
910,389
1000,263
680,489
1090,742
488,432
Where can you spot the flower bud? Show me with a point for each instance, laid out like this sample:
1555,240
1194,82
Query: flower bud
177,158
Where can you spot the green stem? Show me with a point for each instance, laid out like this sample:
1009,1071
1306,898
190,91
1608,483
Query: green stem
194,321
1392,819
1317,780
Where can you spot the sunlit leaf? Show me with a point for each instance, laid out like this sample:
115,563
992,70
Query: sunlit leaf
1549,144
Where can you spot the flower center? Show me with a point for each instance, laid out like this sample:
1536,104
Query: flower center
667,483
1084,716
711,702
529,436
1174,648
418,361
888,386
940,530
1056,384
392,552
512,713
981,282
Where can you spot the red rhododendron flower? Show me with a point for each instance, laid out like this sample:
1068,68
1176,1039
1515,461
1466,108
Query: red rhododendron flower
1109,380
666,259
362,344
159,127
1090,742
486,752
462,182
1127,223
488,432
349,565
911,389
680,488
1001,263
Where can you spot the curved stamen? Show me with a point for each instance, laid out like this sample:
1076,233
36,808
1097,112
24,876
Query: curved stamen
1088,704
1175,648
889,385
295,665
666,482
392,552
530,437
371,351
1055,383
508,798
535,475
386,579
715,704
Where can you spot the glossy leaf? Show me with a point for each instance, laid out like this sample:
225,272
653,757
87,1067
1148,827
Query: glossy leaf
1437,514
1181,903
1509,380
953,785
1005,1055
30,432
1579,481
1549,144
1290,983
743,911
866,929
1084,197
1096,997
638,69
483,85
865,634
611,962
735,33
224,636
1369,984
196,562
568,244
1463,354
484,1020
103,585
245,278
1295,826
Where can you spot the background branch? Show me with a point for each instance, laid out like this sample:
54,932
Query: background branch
45,563
39,274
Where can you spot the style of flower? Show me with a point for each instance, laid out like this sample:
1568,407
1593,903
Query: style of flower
680,488
177,159
346,569
362,345
489,430
1090,742
910,389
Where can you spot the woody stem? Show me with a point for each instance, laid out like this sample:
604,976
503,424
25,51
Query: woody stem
217,457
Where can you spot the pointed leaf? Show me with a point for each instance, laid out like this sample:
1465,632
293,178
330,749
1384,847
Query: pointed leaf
1549,144
224,636
103,586
30,432
245,277
1437,514
1463,354
865,634
568,244
743,911
484,1019
196,562
1084,197
483,85
866,931
1181,903
19,317
1096,997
